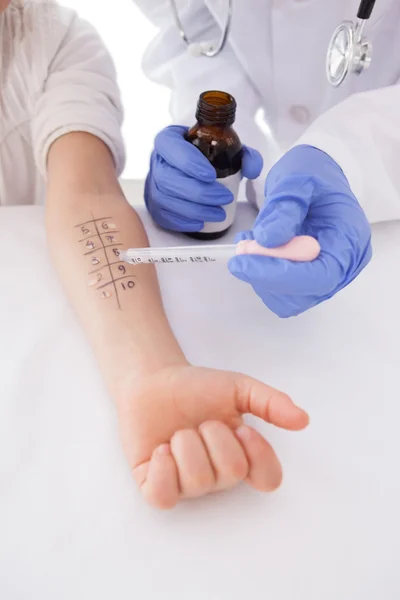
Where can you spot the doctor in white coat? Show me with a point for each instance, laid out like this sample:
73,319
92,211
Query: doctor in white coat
331,155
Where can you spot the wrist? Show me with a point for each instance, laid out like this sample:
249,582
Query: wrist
125,371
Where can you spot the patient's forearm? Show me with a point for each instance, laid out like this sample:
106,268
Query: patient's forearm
88,220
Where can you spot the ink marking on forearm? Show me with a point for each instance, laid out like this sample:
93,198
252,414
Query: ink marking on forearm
99,235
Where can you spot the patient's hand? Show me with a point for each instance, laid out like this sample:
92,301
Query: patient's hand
184,436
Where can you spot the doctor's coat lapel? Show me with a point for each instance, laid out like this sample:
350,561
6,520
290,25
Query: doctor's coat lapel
251,40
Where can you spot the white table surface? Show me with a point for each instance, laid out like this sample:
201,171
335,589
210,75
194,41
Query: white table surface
72,525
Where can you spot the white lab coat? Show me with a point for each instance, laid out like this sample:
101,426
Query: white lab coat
274,64
56,77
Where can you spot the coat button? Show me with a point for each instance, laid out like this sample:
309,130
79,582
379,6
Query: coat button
300,114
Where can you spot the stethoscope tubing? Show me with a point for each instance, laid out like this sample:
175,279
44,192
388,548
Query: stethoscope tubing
211,50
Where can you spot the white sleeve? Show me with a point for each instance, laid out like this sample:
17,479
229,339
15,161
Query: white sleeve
362,134
168,62
80,94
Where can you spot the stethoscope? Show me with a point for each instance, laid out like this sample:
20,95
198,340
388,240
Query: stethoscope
349,51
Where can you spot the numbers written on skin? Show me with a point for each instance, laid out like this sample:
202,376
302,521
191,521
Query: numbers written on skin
109,277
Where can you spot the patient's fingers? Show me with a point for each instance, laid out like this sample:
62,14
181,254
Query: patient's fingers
160,485
196,474
226,454
265,472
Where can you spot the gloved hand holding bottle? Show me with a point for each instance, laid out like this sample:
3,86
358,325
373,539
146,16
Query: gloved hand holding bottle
306,193
195,173
182,192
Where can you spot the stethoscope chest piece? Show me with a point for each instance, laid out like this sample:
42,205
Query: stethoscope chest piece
348,51
339,53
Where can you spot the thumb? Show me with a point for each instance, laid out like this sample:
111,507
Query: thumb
269,404
252,163
283,215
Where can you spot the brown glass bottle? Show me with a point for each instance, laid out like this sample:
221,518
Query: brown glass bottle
214,136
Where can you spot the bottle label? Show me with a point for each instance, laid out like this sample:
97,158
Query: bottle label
232,182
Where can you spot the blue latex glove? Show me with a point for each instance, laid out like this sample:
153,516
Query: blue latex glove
306,193
181,191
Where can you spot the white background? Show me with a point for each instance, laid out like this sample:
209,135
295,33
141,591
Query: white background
126,33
